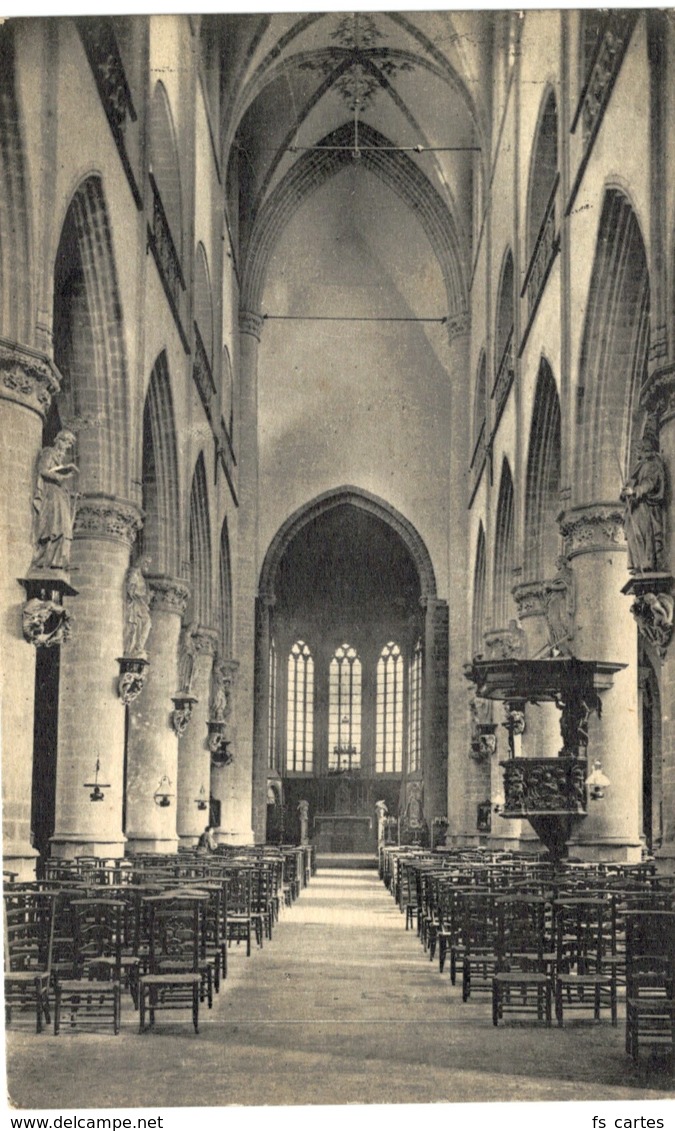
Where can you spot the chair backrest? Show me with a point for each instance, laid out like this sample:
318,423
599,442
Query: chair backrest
98,930
175,932
28,931
650,952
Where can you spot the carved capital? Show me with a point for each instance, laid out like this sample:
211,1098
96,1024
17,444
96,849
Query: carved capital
27,377
529,598
205,641
505,643
592,529
458,325
169,594
251,323
108,519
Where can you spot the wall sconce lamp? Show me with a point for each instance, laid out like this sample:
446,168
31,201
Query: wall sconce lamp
202,801
597,782
96,786
163,793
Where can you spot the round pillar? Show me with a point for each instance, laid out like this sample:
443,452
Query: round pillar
194,756
660,397
152,743
27,383
91,716
605,630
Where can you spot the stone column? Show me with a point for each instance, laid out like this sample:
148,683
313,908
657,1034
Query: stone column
227,776
27,382
605,630
194,756
261,771
152,743
660,397
91,715
233,784
435,710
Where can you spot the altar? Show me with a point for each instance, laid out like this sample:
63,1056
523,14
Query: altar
342,832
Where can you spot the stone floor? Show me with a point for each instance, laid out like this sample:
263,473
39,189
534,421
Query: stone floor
341,1008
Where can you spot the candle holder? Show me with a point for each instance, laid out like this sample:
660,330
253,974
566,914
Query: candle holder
163,794
96,786
202,801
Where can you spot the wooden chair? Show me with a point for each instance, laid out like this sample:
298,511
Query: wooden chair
28,943
174,977
585,976
92,996
240,920
650,981
523,982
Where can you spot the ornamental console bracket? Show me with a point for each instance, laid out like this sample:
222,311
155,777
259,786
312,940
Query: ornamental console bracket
45,621
653,608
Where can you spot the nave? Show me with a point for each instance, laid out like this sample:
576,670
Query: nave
342,1007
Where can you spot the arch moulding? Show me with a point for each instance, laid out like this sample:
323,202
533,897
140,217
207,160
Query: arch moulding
365,501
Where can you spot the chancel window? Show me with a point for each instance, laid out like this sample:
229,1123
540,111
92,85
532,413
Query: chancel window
344,710
389,711
272,720
415,709
300,713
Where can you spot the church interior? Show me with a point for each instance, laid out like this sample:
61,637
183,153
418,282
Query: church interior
337,383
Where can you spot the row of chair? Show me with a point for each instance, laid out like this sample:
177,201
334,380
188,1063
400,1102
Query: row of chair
158,927
534,937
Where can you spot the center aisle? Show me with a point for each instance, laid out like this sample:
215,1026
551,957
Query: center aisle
341,1007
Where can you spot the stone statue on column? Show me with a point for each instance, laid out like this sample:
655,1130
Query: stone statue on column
187,650
137,620
54,503
644,497
303,811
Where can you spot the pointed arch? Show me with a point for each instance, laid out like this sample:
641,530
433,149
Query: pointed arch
543,169
200,547
161,495
16,318
89,342
615,343
363,500
542,484
504,311
203,301
479,581
225,611
165,164
479,408
504,548
395,169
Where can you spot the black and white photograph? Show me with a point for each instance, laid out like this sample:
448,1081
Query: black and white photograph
337,401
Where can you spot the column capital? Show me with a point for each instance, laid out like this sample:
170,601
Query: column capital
593,528
108,519
458,325
251,322
169,594
529,598
27,377
206,640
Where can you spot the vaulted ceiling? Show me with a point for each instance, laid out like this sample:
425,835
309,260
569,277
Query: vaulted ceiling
403,93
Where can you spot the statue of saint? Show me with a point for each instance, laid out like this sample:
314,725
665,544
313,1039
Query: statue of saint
187,650
559,608
54,503
138,621
303,812
644,496
222,679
